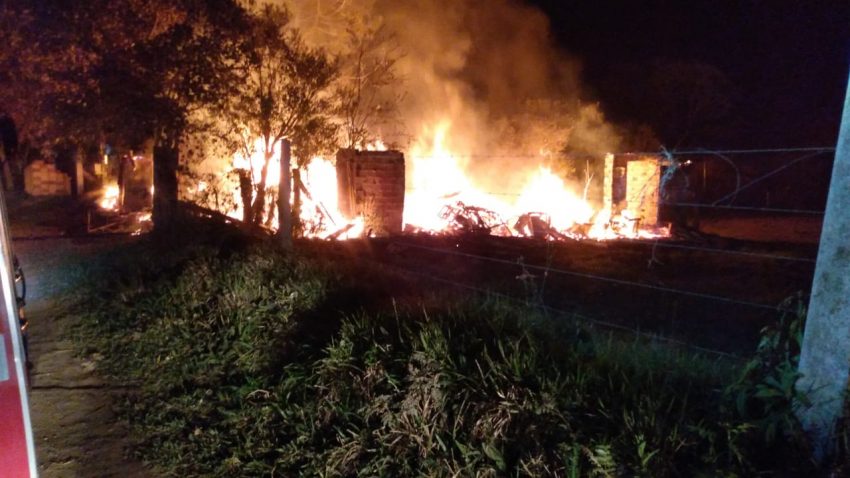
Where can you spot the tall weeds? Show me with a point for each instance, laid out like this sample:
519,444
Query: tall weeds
246,366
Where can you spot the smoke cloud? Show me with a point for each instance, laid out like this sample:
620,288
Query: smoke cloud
487,73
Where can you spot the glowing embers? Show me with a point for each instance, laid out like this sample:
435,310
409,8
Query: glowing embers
109,197
320,212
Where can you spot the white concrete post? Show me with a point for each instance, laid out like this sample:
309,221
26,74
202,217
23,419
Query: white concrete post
825,358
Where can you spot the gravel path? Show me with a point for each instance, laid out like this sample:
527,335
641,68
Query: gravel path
76,431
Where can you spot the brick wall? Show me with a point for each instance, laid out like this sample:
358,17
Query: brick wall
43,179
643,180
371,184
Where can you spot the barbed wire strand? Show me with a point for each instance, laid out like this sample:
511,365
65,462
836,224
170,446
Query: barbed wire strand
691,152
659,243
745,208
665,203
575,315
765,176
612,280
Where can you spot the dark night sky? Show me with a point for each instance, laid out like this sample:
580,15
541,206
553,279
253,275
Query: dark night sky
786,61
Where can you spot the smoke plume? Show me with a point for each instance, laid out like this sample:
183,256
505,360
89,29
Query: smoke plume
487,74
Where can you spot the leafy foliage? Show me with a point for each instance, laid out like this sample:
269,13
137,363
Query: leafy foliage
765,393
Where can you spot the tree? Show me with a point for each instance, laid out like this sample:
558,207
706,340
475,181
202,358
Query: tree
188,59
283,94
44,70
366,91
123,70
686,103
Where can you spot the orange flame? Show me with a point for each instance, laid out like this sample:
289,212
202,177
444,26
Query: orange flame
109,198
319,203
437,181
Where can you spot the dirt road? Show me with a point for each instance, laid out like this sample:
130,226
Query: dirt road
76,431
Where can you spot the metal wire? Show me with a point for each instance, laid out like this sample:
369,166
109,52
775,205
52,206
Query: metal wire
744,208
687,152
600,278
765,176
575,315
658,243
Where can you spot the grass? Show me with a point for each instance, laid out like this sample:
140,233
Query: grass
248,362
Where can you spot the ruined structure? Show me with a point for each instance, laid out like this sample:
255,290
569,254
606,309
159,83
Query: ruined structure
371,184
41,178
632,183
138,184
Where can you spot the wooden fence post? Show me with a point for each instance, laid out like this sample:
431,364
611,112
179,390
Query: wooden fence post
284,211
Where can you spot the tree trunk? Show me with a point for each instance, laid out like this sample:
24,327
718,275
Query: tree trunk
78,180
8,182
284,232
259,207
246,191
17,163
11,151
166,157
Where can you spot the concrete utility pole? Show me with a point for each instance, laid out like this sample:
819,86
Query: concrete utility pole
284,211
825,358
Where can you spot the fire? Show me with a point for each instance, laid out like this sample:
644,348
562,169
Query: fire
441,197
319,212
320,209
376,145
547,193
109,199
437,178
255,159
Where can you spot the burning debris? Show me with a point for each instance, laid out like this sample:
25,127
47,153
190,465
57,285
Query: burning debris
125,201
515,98
463,219
364,194
443,199
539,226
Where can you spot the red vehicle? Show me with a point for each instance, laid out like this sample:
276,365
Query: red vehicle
17,447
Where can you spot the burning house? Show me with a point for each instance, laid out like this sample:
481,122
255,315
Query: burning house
380,193
125,193
482,137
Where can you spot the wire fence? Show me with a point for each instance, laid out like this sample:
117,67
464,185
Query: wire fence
583,275
671,157
724,249
674,152
772,167
758,255
537,303
574,315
